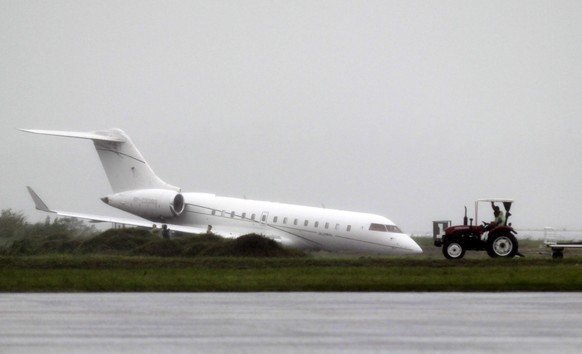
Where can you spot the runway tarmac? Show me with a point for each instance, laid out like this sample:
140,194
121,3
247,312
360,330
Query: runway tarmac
290,322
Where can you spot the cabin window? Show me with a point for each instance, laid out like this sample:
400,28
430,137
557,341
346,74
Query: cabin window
285,220
349,228
244,215
213,212
327,225
253,216
316,224
306,223
275,218
232,214
264,218
295,222
337,226
222,213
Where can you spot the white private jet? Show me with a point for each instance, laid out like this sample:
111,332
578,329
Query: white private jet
139,191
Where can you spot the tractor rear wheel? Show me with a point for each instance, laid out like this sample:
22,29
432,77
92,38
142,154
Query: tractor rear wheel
502,245
453,250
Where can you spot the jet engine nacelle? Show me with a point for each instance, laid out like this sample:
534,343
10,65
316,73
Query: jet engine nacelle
148,203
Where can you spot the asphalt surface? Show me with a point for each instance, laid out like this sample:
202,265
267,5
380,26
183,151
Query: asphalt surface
290,322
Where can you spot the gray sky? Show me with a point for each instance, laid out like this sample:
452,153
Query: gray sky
407,109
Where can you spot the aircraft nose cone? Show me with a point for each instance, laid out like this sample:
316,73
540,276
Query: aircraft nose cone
416,248
412,246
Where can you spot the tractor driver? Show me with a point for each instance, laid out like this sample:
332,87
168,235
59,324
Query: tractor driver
499,218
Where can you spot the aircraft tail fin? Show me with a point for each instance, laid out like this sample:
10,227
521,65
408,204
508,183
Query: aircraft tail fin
124,165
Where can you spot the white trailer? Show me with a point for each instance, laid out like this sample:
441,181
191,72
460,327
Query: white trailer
556,245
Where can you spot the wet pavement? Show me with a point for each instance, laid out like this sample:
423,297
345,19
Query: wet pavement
290,322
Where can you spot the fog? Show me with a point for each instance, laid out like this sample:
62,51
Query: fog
407,109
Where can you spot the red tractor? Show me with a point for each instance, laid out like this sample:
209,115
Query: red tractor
497,239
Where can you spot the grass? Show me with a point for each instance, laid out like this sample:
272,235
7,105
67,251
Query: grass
120,261
53,273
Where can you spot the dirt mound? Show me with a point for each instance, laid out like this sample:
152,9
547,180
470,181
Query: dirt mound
134,241
116,241
254,245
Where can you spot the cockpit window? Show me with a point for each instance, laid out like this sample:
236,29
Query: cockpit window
393,228
378,227
385,228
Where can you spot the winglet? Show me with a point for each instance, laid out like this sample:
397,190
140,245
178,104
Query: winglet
40,205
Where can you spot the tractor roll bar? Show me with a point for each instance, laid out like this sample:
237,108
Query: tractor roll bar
506,204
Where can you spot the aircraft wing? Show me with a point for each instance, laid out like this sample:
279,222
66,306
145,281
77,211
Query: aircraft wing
280,236
40,205
290,239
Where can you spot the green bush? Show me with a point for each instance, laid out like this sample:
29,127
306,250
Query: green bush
35,245
12,225
15,229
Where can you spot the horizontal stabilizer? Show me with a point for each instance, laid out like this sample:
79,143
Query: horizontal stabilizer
98,136
124,165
